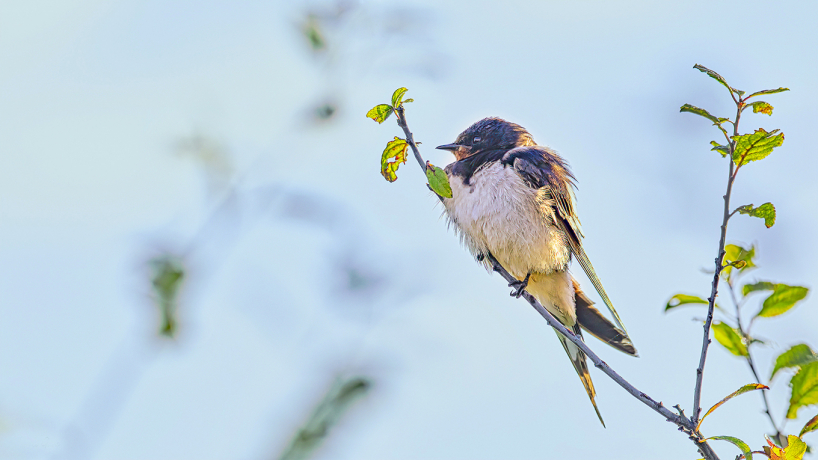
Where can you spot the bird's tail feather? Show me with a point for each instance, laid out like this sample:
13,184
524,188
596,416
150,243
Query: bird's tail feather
577,358
591,319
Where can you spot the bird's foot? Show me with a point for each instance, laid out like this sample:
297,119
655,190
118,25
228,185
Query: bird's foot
519,286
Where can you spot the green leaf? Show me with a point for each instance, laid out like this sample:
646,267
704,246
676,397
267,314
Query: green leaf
740,391
408,100
438,180
397,96
380,112
812,425
763,107
393,155
702,113
722,149
797,356
167,278
804,389
745,449
766,211
759,286
733,253
767,91
730,339
782,299
683,299
718,78
755,146
796,448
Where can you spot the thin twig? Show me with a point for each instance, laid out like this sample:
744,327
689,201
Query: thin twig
685,424
697,392
745,334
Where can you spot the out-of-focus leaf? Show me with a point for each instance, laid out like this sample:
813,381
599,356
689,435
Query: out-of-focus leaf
755,146
763,107
406,101
733,253
683,299
759,286
804,389
782,299
380,112
730,339
397,96
438,181
811,425
740,391
722,149
312,32
718,78
393,155
797,356
702,113
168,274
768,91
324,417
745,449
766,211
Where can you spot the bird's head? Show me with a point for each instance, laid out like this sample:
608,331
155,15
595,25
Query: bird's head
489,134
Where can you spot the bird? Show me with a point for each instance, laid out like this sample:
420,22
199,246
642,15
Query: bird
513,201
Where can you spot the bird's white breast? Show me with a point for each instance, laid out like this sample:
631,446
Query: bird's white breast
498,212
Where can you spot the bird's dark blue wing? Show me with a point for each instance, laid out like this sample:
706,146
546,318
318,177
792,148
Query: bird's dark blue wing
542,168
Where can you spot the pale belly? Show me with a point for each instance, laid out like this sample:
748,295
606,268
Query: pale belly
500,213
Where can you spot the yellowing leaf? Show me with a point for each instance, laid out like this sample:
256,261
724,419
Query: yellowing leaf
794,451
755,146
782,299
683,299
393,155
740,391
796,356
438,180
804,389
733,253
397,97
762,107
730,339
745,449
722,149
380,112
812,425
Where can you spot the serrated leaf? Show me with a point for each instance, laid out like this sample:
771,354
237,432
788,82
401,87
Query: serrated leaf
733,253
438,180
722,149
730,339
766,211
782,299
397,96
740,391
763,107
804,389
380,112
797,356
393,155
702,113
767,91
755,146
745,449
718,78
812,425
683,299
794,451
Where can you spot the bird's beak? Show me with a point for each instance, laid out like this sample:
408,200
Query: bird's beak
451,147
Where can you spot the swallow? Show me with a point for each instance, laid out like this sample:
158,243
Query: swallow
513,199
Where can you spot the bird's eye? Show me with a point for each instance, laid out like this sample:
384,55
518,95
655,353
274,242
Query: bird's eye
476,140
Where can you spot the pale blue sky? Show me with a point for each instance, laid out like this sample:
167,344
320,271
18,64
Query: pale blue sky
94,96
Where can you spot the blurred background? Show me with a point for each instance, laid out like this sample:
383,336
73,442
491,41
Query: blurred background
201,260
